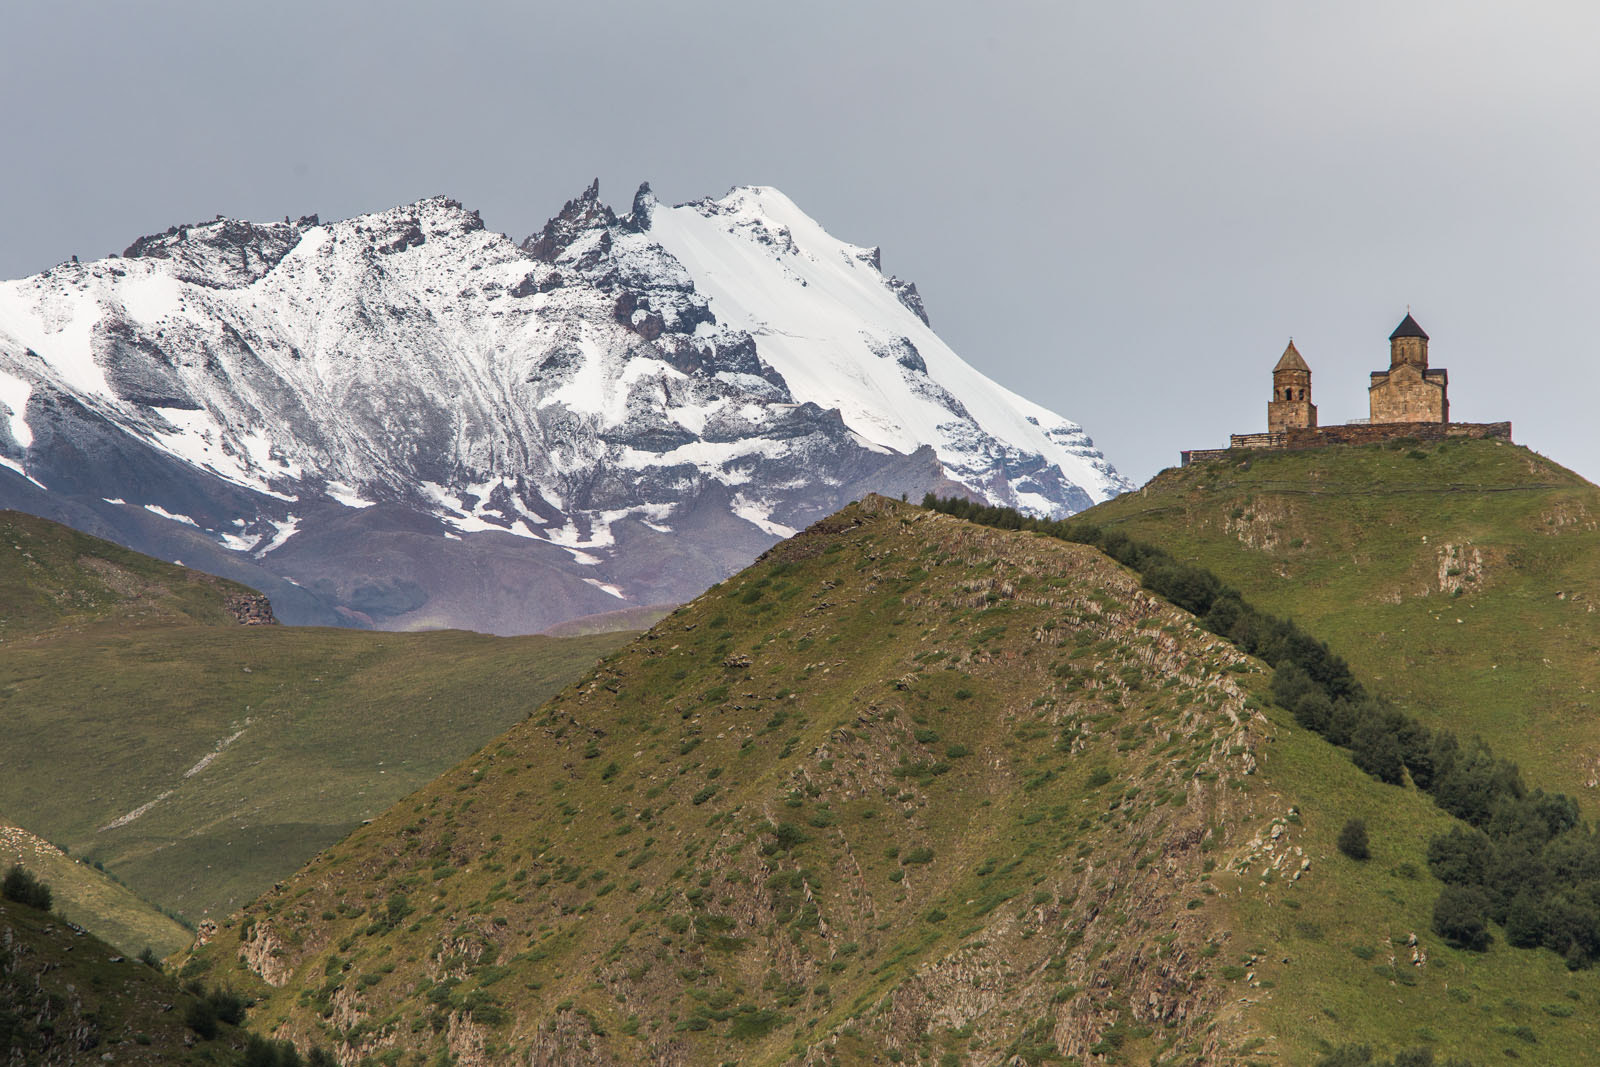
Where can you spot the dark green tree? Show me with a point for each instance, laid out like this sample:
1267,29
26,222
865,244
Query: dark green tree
21,886
1460,916
1376,750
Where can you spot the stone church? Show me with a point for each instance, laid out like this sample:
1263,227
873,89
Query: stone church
1409,391
1410,399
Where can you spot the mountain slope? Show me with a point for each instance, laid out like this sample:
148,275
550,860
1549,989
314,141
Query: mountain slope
52,576
200,760
67,997
907,789
92,899
1461,579
405,420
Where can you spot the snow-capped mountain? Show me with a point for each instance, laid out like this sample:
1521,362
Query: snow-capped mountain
404,419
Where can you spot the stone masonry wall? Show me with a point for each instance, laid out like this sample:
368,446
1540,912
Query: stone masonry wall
1366,434
1404,395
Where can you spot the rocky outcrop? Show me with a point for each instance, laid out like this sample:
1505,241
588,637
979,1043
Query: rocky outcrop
251,609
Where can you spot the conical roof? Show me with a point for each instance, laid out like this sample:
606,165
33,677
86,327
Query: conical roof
1408,328
1290,360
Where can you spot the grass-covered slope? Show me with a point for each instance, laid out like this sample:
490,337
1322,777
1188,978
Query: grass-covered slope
1461,579
200,760
52,576
201,764
908,789
92,898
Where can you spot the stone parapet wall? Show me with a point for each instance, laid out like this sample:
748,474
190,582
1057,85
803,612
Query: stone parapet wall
1257,440
1388,431
1371,433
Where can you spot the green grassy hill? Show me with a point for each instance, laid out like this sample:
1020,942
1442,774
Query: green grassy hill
198,760
92,898
52,576
907,790
1461,579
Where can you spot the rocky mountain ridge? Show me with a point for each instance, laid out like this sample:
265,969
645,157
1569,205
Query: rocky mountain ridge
406,420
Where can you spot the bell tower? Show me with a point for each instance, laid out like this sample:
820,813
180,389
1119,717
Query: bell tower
1408,344
1290,407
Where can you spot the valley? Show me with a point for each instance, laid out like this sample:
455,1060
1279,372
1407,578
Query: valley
200,760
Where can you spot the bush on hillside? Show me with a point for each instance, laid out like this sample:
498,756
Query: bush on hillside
21,886
1460,916
1361,1056
1353,840
1460,857
1376,749
264,1052
208,1009
229,1006
201,1017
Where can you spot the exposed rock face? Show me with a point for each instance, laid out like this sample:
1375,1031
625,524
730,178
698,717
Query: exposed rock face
251,610
406,420
264,952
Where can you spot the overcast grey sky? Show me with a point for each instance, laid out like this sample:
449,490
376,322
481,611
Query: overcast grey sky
1122,209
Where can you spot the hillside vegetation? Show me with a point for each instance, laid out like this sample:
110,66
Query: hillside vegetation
198,760
908,789
1461,579
93,898
66,997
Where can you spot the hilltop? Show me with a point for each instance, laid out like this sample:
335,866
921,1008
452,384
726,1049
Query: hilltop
1460,578
908,788
52,576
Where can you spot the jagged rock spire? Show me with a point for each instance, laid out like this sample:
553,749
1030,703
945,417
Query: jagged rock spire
582,213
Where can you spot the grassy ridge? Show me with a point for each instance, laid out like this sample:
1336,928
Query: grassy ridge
907,785
52,576
92,898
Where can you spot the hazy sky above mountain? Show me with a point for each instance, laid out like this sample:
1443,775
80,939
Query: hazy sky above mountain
1121,210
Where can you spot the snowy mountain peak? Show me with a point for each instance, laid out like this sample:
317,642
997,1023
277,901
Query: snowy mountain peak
579,215
225,252
627,408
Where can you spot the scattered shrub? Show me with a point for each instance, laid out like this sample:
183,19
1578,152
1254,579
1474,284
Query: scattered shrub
201,1017
1353,840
